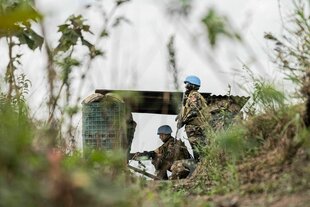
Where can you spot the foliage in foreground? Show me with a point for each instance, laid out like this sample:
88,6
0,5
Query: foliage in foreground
267,153
34,177
272,157
36,174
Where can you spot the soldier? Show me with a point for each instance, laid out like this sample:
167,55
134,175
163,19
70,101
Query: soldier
194,115
169,152
131,127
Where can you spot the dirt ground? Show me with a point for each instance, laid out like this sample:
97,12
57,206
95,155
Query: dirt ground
266,180
258,200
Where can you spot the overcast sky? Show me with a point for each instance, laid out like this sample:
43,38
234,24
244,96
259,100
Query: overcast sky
136,54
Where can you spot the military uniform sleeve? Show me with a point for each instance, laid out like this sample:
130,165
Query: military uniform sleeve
195,102
157,160
170,155
194,105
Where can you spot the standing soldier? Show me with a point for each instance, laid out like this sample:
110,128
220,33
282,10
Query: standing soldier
169,152
194,115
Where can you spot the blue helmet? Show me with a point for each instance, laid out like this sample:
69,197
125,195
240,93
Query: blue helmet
164,129
192,80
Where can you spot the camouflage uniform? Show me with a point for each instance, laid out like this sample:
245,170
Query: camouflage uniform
167,154
195,116
131,127
182,169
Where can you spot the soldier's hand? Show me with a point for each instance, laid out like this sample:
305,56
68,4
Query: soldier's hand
180,124
177,117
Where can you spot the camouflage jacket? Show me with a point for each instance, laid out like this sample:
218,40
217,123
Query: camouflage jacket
170,151
195,110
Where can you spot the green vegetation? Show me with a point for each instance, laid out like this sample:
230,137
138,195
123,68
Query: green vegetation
265,157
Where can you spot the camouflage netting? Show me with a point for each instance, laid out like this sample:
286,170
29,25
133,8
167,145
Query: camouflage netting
224,111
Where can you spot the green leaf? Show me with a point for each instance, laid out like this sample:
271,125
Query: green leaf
119,20
71,110
67,64
11,18
93,52
269,36
72,32
87,44
67,40
216,26
85,28
120,2
30,38
62,28
104,33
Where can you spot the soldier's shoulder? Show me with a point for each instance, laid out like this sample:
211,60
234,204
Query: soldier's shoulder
172,141
180,142
193,92
196,94
169,142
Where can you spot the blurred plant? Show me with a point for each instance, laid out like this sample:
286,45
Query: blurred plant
217,26
18,17
172,64
15,26
181,8
15,15
110,20
265,97
73,32
292,51
175,198
66,67
174,70
18,163
216,174
36,177
233,141
33,176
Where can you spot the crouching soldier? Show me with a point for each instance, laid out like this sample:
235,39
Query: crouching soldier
171,151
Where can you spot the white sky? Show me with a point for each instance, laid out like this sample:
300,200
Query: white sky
136,54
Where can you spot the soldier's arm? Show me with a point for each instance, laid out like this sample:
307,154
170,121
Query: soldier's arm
172,151
190,116
194,104
149,154
157,161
